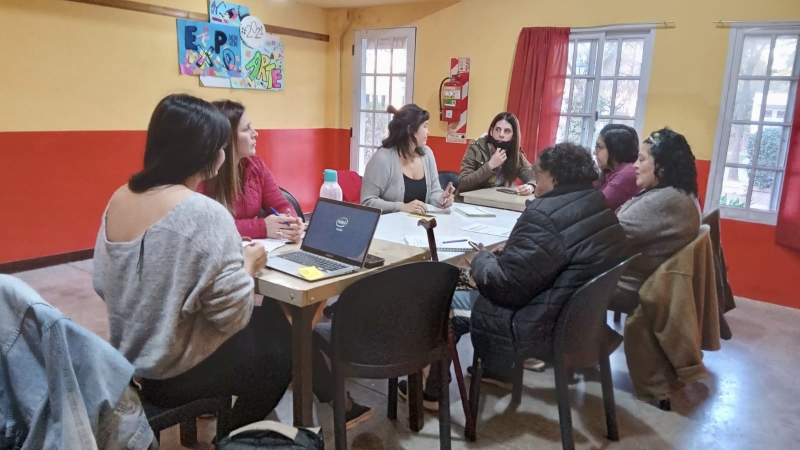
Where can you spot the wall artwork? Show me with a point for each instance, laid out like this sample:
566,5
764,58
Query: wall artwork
209,49
262,68
226,13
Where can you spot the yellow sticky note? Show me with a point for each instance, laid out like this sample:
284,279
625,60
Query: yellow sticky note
311,273
420,217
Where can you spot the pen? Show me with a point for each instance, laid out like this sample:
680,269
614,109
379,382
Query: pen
452,242
277,214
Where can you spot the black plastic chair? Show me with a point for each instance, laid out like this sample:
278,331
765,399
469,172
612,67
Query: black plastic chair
580,341
390,324
448,177
293,201
186,415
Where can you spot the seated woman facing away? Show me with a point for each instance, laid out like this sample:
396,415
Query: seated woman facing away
254,188
257,189
402,175
563,239
616,150
496,159
178,285
664,217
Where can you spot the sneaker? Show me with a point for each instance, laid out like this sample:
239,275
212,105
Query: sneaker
534,364
489,378
357,414
429,402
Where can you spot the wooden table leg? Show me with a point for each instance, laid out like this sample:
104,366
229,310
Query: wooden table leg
301,365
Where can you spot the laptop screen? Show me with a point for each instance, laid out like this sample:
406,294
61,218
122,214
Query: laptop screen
341,231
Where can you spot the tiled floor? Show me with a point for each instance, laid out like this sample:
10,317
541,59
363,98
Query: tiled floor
751,400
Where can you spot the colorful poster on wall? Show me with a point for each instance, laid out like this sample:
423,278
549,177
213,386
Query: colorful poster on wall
262,67
209,49
226,13
457,131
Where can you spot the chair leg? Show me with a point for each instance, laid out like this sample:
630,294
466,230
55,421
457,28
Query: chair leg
224,418
564,413
462,386
339,415
391,412
188,430
519,372
444,405
608,395
471,430
617,316
416,418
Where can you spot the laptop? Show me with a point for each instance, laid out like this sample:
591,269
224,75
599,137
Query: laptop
336,241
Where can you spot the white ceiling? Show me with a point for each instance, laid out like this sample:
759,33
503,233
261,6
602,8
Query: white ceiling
361,3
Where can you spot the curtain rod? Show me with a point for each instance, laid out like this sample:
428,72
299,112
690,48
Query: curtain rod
744,24
191,15
664,24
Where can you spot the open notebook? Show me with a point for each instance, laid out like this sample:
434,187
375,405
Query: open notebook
443,244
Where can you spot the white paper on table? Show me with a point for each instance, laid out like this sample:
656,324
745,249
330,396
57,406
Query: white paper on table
487,229
269,244
474,211
444,243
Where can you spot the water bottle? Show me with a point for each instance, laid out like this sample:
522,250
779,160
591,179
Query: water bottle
330,188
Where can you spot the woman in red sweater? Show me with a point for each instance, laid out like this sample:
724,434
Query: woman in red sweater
257,189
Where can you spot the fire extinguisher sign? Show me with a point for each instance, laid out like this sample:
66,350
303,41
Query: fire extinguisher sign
457,130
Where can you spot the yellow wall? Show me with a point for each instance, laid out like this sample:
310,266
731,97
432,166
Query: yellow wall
70,66
688,61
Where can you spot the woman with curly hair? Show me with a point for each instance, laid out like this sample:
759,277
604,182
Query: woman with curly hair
616,150
564,238
664,217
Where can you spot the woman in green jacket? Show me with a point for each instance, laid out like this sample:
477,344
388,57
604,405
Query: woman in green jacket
495,160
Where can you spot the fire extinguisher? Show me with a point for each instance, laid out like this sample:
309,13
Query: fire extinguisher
451,103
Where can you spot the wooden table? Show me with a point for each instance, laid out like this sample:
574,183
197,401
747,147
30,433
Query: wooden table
496,199
305,301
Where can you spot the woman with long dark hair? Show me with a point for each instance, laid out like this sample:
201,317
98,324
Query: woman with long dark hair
402,174
616,150
664,217
496,159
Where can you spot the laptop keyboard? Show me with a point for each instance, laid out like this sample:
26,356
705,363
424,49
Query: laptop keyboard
309,259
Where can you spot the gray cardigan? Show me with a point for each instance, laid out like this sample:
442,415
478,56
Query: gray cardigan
383,186
658,223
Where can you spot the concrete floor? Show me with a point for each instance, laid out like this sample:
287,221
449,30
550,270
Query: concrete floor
751,400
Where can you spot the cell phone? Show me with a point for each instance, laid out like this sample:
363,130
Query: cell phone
507,191
373,262
474,245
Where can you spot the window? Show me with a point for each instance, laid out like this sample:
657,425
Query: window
607,77
755,121
383,75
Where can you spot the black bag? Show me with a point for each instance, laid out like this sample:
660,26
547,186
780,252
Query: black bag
272,435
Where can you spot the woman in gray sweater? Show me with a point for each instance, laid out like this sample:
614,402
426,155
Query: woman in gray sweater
170,265
402,175
664,217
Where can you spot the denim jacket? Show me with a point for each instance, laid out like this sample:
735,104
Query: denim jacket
61,386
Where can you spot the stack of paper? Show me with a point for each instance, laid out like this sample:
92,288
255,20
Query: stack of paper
474,211
436,210
269,244
443,244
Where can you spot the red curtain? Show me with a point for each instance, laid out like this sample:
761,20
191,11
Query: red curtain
537,86
788,230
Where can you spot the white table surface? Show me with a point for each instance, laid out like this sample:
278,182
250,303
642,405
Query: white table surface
394,227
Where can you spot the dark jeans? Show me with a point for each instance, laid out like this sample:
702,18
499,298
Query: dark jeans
255,364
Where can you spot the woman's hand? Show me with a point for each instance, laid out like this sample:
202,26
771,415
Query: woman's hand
525,189
447,196
255,258
284,226
497,159
415,207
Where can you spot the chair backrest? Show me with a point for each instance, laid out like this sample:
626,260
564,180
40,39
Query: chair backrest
350,182
581,323
711,219
293,201
448,177
395,317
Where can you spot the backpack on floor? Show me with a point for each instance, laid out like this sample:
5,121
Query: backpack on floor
268,434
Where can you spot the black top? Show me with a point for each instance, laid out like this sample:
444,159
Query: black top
415,189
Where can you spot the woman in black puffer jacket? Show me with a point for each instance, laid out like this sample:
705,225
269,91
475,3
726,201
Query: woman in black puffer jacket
564,238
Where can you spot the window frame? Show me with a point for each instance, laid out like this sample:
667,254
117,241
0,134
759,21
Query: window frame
615,32
725,119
